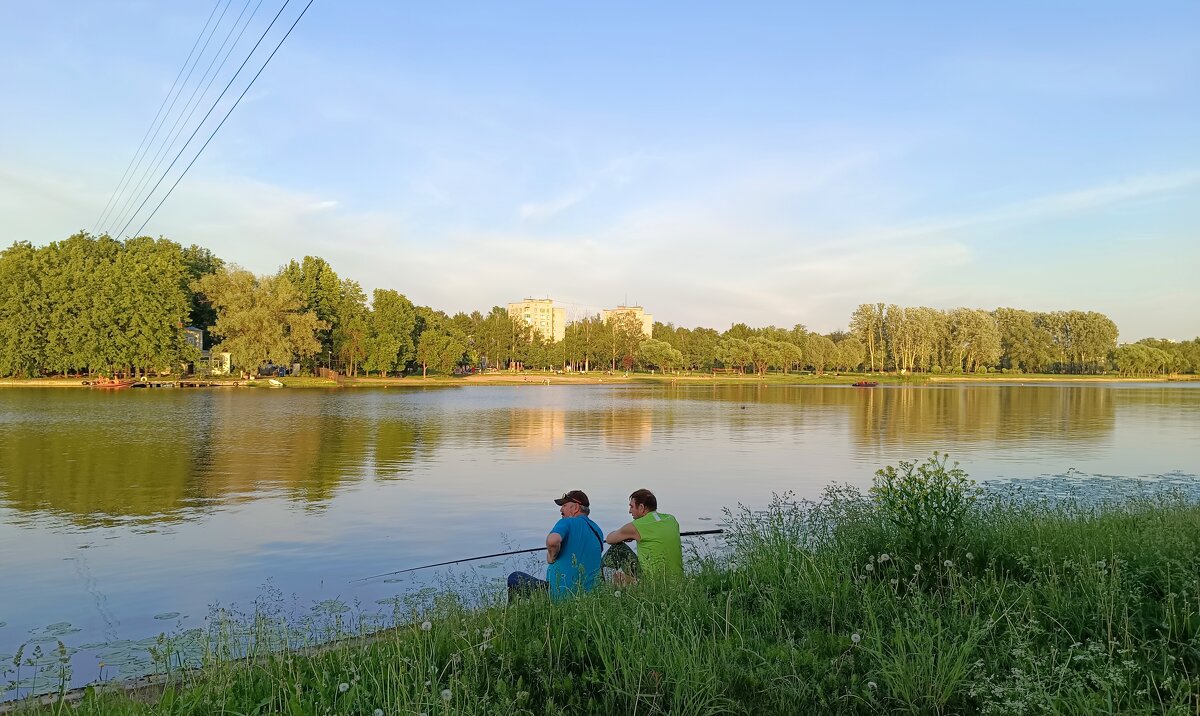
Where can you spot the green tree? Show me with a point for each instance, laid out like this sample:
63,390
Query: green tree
391,325
850,353
352,334
658,354
260,319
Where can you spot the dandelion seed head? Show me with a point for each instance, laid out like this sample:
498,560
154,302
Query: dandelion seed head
970,556
427,682
378,712
916,568
895,582
446,694
870,567
884,557
343,687
617,593
856,638
872,685
426,626
948,564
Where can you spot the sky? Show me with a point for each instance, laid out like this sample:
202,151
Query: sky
766,163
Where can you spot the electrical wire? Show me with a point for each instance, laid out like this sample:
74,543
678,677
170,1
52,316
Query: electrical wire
222,123
210,111
193,103
116,192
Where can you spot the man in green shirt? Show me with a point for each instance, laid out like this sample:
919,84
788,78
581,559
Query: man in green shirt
659,549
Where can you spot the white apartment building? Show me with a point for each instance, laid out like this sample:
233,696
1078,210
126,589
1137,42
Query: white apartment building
542,315
646,319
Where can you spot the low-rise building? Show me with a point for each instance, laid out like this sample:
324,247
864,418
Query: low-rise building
637,312
542,316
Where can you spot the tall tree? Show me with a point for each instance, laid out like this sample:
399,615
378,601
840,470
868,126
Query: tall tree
260,319
390,332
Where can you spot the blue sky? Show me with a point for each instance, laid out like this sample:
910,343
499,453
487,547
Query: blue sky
714,162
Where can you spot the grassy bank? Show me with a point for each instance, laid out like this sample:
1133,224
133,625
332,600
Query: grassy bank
924,596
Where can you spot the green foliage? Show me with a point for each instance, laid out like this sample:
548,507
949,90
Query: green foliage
927,505
260,319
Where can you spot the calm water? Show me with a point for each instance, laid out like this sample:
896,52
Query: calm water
124,514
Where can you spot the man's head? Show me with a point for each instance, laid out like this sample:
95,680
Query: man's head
641,503
573,503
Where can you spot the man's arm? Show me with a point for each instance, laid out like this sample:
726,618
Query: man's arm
553,547
624,534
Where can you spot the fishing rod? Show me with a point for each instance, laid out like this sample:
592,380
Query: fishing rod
695,533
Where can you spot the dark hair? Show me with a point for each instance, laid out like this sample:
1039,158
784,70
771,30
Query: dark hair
645,498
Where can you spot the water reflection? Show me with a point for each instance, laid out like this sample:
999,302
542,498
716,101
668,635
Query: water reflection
169,455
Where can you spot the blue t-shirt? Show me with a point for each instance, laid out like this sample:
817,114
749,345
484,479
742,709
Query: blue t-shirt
578,565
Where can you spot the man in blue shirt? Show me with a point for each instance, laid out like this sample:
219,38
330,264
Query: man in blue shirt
572,552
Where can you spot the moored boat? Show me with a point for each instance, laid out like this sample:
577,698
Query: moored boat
110,384
865,384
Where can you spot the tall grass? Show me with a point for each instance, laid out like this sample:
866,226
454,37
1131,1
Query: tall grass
836,606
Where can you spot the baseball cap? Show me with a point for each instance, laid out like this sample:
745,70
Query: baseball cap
576,496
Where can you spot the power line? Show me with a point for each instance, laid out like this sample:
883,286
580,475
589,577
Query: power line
153,122
181,121
210,111
235,104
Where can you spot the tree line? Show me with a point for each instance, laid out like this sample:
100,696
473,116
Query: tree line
94,304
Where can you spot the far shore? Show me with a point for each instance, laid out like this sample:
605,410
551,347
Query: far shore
531,377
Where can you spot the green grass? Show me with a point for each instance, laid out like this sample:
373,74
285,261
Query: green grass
1028,608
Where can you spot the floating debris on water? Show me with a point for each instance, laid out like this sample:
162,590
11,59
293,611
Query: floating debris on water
166,615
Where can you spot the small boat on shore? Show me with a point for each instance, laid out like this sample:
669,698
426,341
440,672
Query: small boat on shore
865,384
110,384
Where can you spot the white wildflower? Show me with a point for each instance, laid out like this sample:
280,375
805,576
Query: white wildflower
916,568
970,556
856,638
428,682
872,685
870,567
426,626
343,687
617,593
895,582
884,557
378,712
947,564
446,694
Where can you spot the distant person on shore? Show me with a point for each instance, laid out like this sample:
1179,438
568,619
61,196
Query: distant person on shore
659,548
572,553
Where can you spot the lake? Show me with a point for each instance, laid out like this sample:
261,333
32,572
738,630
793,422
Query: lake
126,514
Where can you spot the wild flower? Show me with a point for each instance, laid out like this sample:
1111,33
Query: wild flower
487,633
617,593
948,564
378,712
895,582
428,682
884,557
870,567
446,694
856,638
872,685
970,556
343,687
426,626
916,567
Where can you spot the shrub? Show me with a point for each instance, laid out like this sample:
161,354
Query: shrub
926,503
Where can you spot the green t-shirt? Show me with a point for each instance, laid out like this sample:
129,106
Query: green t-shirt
660,552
